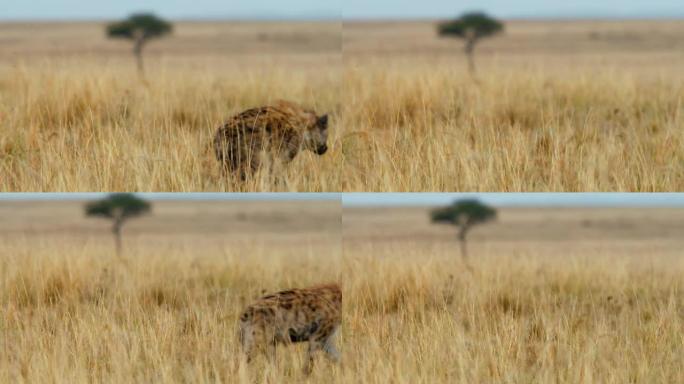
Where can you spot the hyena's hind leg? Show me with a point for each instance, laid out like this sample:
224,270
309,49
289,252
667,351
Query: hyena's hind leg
232,162
257,341
247,341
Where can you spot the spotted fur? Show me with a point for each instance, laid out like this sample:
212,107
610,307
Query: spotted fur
274,134
310,315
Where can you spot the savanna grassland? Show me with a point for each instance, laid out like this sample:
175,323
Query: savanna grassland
75,115
554,295
73,312
555,106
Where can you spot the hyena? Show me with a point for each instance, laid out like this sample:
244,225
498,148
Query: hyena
293,316
273,133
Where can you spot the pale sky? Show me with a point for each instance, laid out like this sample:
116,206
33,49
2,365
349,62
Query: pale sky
519,199
334,9
172,9
354,9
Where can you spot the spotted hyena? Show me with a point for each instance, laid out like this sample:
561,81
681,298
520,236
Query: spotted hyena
274,134
293,316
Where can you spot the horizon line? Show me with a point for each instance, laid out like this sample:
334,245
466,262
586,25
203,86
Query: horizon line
342,18
520,205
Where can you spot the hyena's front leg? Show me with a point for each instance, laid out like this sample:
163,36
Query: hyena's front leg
271,351
330,348
277,166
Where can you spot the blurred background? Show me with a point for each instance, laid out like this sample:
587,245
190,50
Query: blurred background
300,31
194,226
572,279
563,279
634,33
637,227
146,76
111,275
583,83
436,9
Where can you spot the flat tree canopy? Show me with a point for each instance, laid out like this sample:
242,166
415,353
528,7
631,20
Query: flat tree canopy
139,29
465,212
118,206
140,26
474,26
471,27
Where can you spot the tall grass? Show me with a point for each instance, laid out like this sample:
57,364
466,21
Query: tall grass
413,125
416,125
411,314
74,313
415,315
95,127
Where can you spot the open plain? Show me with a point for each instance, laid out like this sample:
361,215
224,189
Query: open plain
554,295
167,310
555,106
76,116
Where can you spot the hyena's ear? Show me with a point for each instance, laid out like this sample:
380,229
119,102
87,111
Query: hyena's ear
322,121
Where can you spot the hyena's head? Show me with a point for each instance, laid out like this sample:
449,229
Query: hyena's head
316,135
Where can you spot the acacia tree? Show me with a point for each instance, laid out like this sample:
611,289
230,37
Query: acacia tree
118,207
464,214
140,28
472,27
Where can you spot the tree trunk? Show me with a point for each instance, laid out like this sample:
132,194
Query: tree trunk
116,229
464,246
470,53
137,51
462,234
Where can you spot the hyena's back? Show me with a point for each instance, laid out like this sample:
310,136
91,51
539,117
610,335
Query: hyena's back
239,142
297,315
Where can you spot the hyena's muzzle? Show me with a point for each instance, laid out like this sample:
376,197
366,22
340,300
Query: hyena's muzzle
322,149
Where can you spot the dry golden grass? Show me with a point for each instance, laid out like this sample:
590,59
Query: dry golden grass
536,308
557,106
76,117
555,296
98,129
523,132
72,312
75,314
416,316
